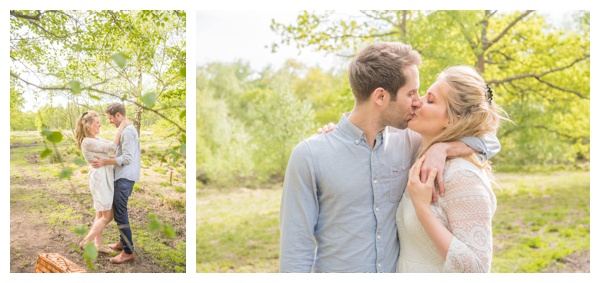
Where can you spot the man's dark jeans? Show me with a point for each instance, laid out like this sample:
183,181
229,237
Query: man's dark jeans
123,189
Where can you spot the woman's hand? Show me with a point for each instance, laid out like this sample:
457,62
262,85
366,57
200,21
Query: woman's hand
420,193
326,129
124,123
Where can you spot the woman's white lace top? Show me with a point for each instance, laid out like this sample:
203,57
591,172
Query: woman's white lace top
466,210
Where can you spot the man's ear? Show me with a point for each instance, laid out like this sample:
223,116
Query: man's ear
380,96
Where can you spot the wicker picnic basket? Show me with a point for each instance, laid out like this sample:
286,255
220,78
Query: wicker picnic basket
56,263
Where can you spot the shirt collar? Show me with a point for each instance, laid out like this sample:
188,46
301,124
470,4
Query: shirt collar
357,134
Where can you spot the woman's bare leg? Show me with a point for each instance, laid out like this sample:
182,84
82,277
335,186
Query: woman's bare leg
95,234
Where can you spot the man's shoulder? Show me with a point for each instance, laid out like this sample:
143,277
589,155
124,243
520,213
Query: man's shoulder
321,144
130,129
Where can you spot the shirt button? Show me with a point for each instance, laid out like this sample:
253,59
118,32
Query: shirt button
357,141
378,237
375,181
379,265
377,208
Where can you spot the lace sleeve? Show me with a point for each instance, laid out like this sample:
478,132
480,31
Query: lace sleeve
98,145
469,205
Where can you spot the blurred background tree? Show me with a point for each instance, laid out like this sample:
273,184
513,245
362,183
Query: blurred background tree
250,120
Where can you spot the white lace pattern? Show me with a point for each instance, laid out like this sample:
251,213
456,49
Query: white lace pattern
466,210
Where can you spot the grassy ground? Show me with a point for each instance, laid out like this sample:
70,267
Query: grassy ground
542,224
46,211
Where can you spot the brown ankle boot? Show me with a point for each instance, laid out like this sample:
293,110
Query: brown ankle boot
116,247
123,257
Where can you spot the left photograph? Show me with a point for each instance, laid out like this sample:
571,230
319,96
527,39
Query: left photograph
97,141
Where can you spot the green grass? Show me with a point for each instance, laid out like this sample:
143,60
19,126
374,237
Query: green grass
238,230
541,218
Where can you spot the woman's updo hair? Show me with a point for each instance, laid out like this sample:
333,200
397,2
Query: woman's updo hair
470,106
82,128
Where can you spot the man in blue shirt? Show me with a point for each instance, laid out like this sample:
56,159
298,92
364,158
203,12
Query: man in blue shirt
342,189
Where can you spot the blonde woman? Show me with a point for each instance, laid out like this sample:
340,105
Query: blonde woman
453,234
101,180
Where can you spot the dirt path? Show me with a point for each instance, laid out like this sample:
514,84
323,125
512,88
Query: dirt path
44,211
30,235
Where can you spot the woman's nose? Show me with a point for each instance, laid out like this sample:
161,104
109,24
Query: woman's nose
418,102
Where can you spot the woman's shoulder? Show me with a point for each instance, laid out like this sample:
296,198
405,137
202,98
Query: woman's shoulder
462,169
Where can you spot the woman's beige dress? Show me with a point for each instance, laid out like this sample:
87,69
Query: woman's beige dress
101,180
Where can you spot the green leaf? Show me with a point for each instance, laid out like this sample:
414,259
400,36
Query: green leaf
154,225
120,59
90,253
124,97
182,71
169,231
54,137
45,153
149,99
79,161
65,173
182,115
80,230
95,97
75,87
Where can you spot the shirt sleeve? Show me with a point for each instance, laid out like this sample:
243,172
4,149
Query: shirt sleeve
487,145
127,145
299,213
98,145
469,205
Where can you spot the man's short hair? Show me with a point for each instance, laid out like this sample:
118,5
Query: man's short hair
381,65
115,108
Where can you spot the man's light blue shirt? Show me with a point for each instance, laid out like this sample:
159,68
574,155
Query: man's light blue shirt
128,155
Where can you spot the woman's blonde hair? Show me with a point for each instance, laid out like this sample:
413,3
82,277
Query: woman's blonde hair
471,109
82,128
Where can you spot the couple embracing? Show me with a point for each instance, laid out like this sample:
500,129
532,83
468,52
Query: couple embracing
402,183
111,178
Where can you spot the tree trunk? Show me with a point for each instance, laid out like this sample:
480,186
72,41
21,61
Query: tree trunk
484,44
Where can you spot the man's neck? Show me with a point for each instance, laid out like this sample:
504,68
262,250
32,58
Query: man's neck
367,121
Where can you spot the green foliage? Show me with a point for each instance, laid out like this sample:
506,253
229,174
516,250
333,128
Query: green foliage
540,73
93,58
157,225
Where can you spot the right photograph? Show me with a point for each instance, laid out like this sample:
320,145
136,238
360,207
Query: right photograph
393,141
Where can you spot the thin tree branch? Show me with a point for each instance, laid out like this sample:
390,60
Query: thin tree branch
36,17
563,89
537,76
502,33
